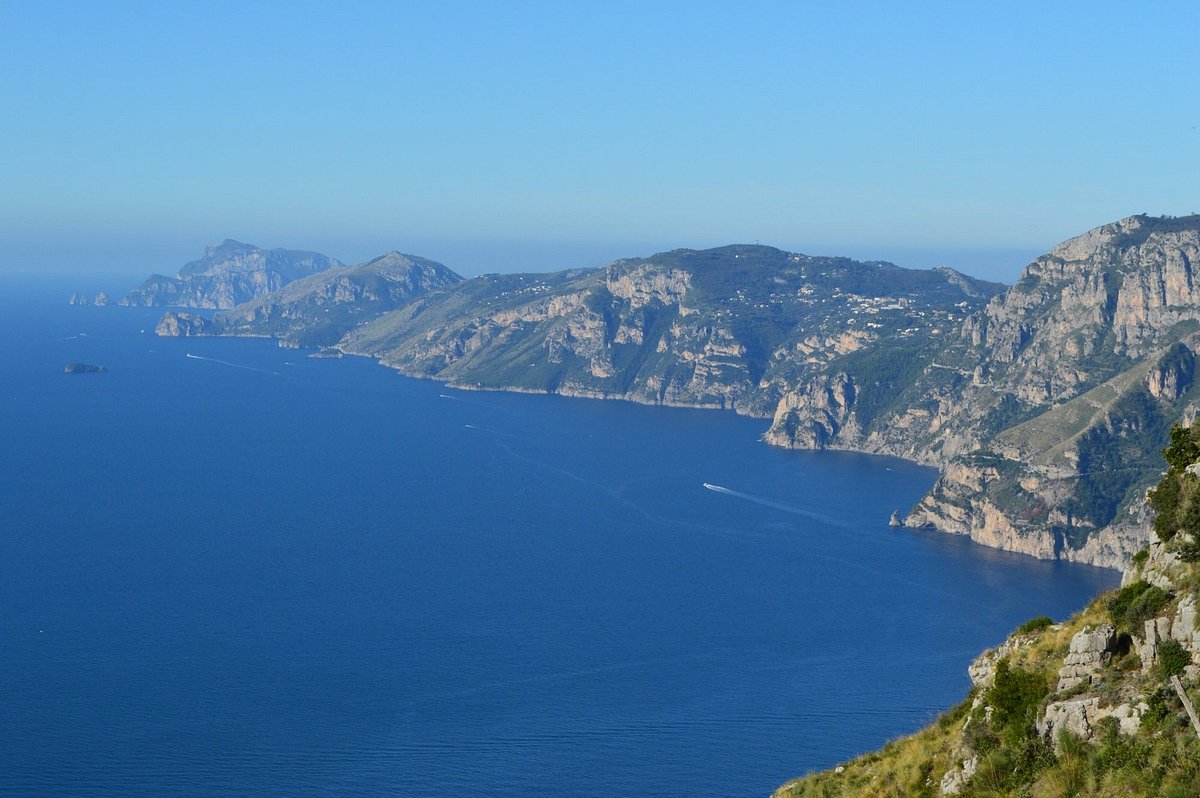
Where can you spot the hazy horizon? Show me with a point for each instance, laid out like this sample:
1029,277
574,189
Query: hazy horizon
134,260
538,136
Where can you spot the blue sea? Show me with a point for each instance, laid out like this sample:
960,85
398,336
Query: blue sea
228,569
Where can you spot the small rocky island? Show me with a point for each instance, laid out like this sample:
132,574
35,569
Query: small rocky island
83,368
77,298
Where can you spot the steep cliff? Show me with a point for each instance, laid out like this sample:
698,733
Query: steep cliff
734,327
1045,410
1101,705
318,310
228,274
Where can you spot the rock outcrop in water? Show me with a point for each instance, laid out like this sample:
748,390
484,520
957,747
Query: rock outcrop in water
1043,404
83,368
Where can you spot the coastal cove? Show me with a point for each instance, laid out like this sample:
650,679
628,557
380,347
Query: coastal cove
228,568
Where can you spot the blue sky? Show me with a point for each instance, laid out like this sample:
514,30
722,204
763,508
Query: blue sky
496,136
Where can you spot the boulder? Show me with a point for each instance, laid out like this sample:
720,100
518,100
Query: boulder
1091,649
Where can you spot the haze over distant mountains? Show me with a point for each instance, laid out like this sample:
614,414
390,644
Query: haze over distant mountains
1044,404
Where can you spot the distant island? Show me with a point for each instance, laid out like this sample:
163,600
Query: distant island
1043,403
82,299
83,368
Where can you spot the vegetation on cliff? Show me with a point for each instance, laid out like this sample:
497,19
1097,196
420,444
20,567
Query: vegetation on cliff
1087,708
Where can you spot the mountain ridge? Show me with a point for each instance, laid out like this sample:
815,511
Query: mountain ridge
230,273
1096,339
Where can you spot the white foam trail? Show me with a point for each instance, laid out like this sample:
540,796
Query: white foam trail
824,519
231,365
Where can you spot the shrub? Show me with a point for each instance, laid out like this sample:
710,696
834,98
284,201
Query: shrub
1176,499
1172,658
1035,625
1120,601
977,735
1133,605
1183,450
1189,549
1141,557
1146,606
1014,696
1117,751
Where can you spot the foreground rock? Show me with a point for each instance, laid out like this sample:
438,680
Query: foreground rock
1099,706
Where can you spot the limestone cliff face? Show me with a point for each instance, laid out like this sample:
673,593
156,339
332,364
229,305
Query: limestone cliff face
229,273
960,502
1012,506
734,328
812,418
183,324
623,333
1081,364
319,309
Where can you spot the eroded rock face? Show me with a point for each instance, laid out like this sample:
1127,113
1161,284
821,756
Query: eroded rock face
1094,346
642,286
814,417
1077,715
229,273
1161,569
183,324
1091,649
956,778
1172,375
1183,625
959,502
1080,716
982,669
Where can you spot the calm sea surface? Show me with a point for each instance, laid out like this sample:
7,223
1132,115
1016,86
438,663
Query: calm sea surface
226,569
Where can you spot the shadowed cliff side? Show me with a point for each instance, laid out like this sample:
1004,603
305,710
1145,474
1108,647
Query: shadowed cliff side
1044,410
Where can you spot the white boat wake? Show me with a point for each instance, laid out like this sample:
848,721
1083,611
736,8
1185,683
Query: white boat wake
824,519
232,365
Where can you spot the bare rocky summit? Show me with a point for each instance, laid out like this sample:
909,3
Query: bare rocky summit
229,273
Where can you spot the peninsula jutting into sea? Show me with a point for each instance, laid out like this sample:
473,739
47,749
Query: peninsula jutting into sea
1043,404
